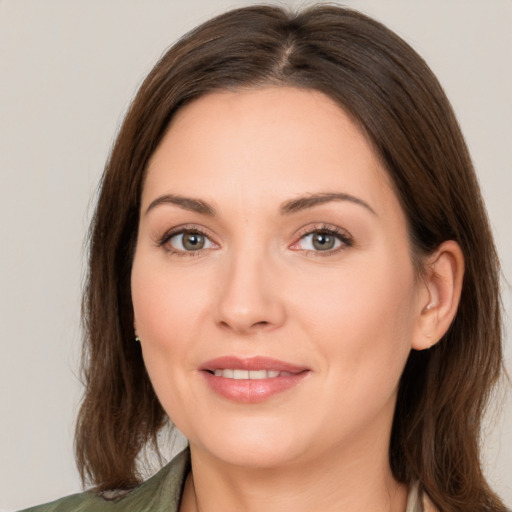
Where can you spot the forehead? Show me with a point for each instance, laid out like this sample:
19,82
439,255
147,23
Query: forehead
273,142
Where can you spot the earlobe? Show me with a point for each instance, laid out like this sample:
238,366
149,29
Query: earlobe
135,335
444,271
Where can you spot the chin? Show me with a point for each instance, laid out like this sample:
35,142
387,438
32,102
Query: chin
257,448
252,456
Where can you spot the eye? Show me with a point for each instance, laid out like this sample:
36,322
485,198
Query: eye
325,240
188,241
320,242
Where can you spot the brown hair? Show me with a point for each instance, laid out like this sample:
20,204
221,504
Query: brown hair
386,86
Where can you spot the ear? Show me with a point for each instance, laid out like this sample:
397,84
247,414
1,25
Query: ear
440,295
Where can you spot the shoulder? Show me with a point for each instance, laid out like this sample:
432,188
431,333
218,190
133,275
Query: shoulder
77,502
162,492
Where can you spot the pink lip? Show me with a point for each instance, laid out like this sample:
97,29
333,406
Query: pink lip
247,390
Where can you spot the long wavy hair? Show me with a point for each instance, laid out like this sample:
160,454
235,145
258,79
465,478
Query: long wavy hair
398,103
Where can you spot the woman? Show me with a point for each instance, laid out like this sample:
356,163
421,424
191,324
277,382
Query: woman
290,261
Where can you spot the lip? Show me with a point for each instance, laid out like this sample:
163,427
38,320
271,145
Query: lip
247,390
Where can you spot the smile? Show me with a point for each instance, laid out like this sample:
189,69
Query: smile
237,374
251,380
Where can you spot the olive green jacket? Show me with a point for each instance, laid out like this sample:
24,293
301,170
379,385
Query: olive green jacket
161,493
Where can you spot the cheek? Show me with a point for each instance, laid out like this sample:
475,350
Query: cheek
364,320
164,321
165,324
363,330
166,303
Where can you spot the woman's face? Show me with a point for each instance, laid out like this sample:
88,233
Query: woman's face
273,287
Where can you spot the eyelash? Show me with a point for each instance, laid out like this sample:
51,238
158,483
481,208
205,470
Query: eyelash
181,231
343,236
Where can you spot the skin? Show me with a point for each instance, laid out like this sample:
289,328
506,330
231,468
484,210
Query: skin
259,286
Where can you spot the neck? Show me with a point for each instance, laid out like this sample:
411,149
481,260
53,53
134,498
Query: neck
341,480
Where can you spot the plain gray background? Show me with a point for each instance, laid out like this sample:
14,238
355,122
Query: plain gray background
68,71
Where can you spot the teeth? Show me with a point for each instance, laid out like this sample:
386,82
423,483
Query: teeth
240,374
259,374
249,374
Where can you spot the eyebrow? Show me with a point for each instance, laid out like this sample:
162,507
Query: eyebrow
303,203
186,203
287,208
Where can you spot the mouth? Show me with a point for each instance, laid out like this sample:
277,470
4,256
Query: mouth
237,374
251,380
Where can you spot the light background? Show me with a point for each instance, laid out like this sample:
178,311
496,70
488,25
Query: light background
68,70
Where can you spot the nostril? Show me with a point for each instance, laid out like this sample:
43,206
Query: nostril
248,328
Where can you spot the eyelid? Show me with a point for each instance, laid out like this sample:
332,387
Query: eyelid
185,228
343,235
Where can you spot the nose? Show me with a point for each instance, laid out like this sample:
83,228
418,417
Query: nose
250,298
